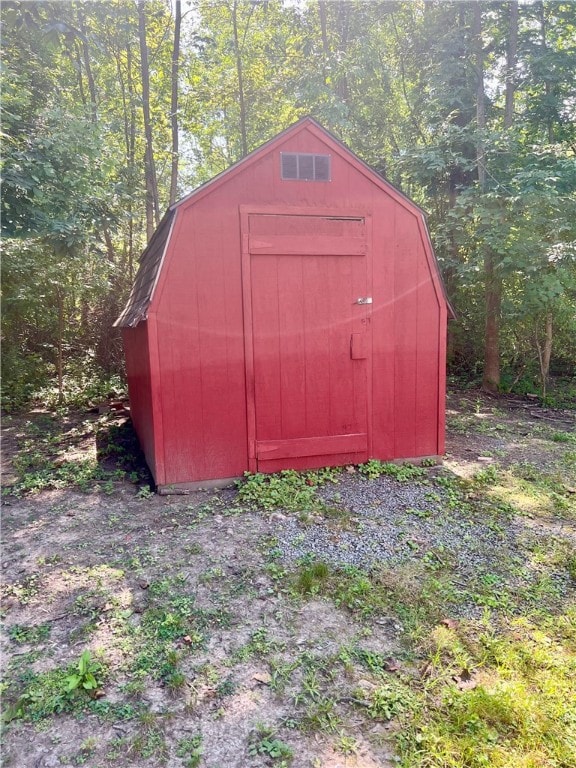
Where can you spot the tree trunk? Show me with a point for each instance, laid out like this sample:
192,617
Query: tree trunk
511,62
493,302
323,27
324,36
492,280
240,75
480,97
547,86
152,205
545,352
79,70
88,68
174,102
131,159
60,347
342,90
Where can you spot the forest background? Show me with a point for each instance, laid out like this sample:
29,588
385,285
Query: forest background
112,110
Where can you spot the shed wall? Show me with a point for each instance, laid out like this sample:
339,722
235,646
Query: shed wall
199,315
136,350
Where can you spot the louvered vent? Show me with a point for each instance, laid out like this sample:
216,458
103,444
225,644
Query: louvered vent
305,167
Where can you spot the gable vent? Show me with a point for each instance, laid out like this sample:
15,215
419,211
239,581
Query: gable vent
305,167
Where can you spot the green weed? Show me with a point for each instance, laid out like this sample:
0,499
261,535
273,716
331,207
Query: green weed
30,635
288,490
311,578
190,750
59,690
150,740
390,700
84,677
401,472
145,492
563,437
260,644
346,745
263,741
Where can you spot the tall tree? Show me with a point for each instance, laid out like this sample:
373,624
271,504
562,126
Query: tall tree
492,278
174,101
152,204
240,75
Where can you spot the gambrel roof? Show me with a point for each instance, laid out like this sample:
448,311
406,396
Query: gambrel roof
152,258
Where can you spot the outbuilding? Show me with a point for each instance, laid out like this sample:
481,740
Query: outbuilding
289,313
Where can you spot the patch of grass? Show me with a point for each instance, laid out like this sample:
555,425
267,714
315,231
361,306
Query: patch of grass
531,491
311,578
460,423
225,688
488,476
288,490
57,451
25,590
113,711
160,630
190,750
171,628
82,474
401,472
389,700
489,590
416,594
315,700
87,749
563,437
259,644
320,715
150,740
495,695
346,745
35,696
31,635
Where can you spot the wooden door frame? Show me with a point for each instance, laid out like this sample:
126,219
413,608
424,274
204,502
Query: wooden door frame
245,211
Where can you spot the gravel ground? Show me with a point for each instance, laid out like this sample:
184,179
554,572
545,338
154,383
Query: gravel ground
393,523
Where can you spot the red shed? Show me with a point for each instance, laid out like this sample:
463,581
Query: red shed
289,313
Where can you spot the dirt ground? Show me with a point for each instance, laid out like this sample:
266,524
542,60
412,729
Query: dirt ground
205,656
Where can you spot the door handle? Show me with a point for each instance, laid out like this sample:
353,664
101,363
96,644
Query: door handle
358,346
364,300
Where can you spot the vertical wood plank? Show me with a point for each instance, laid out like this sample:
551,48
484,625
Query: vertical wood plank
268,394
291,343
383,329
426,357
157,400
405,336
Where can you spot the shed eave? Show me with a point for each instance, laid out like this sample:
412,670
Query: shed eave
142,295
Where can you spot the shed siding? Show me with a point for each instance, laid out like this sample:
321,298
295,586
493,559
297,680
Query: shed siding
136,351
201,354
416,331
199,314
383,325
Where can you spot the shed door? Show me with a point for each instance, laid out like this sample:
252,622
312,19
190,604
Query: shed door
310,306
